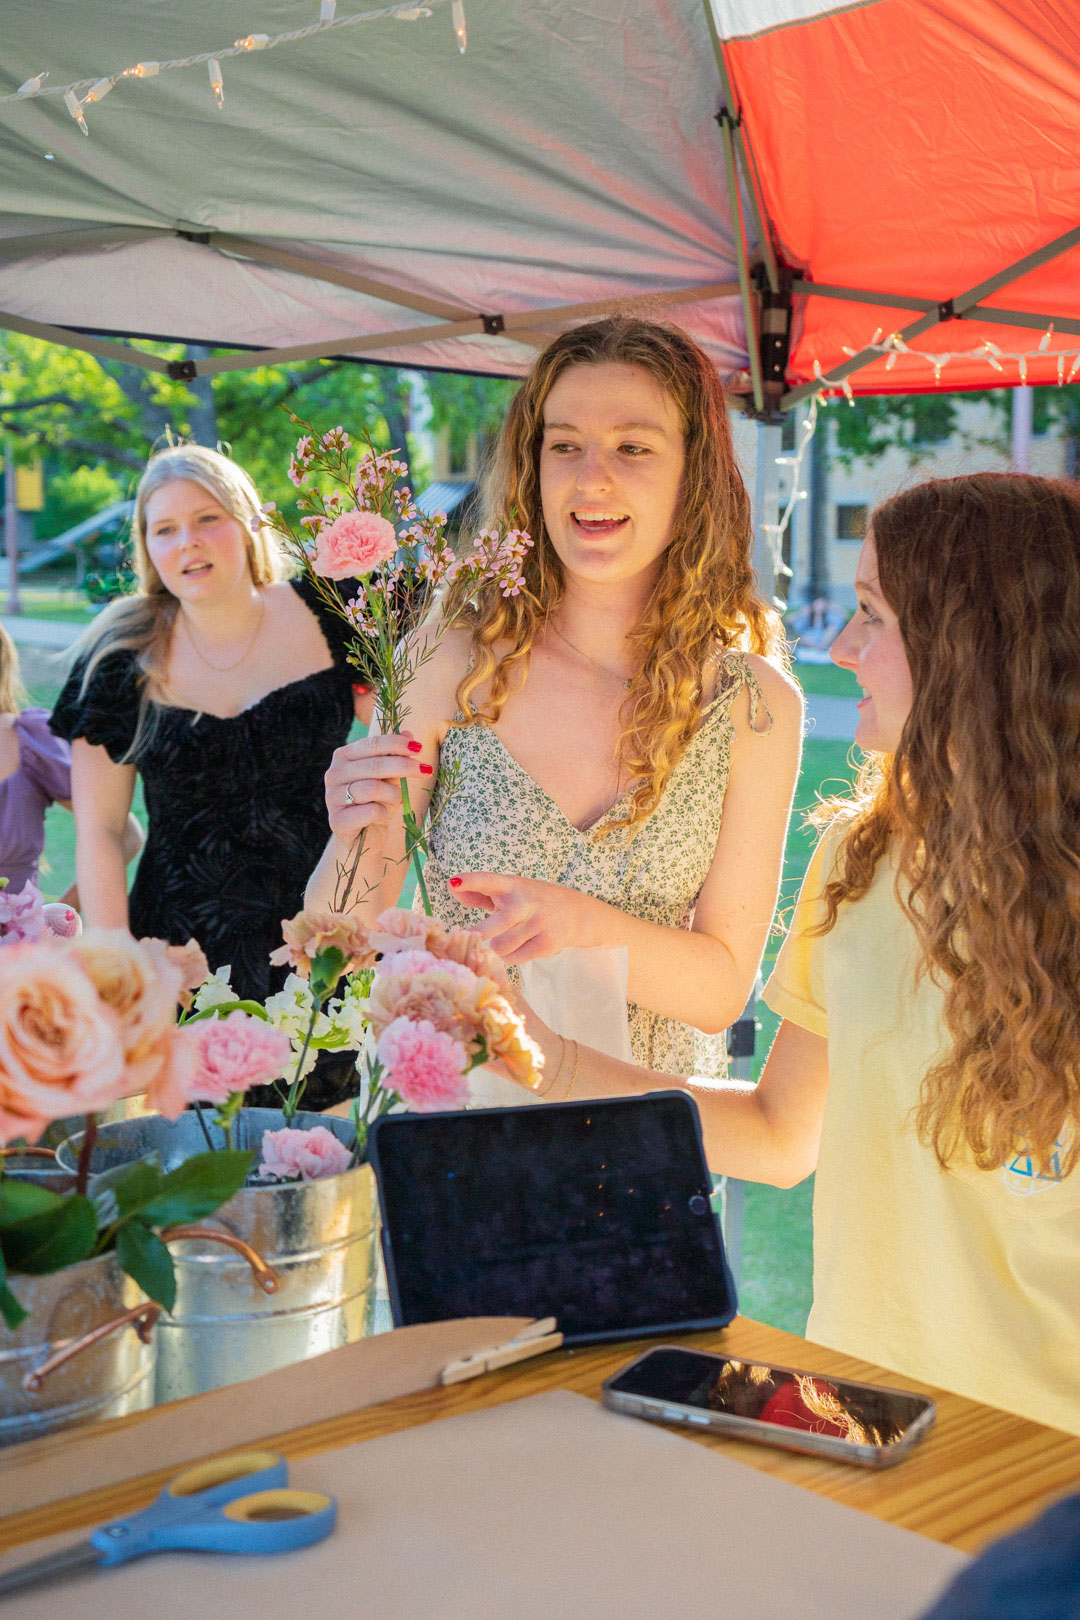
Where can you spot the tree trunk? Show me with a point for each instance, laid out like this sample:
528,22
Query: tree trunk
204,428
395,411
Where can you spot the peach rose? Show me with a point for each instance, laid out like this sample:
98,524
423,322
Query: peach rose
320,929
176,1064
189,960
61,1048
141,986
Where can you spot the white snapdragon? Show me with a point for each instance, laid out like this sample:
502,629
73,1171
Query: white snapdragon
349,1015
216,991
290,1010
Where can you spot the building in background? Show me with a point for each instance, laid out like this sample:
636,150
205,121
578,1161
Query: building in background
836,495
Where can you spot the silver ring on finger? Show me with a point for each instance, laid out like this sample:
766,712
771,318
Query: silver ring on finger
348,793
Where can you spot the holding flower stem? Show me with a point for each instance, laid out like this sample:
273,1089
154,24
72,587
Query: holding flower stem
363,525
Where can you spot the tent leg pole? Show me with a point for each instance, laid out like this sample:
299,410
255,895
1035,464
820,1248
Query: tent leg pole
753,346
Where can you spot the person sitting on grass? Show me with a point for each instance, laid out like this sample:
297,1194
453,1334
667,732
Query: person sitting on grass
928,1062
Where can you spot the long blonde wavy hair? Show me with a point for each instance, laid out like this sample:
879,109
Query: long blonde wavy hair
704,599
980,804
142,622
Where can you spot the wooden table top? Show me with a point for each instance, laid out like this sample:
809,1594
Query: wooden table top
979,1473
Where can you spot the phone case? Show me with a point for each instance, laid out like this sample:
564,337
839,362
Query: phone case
726,1424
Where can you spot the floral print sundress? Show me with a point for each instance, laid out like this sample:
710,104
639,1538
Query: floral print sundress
497,818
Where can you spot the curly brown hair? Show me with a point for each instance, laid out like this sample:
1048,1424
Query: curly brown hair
704,599
980,804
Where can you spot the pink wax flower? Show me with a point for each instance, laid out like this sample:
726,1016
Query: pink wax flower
22,916
234,1053
424,1066
307,1154
61,920
354,544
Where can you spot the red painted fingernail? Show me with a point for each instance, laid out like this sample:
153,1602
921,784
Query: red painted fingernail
455,883
426,770
415,748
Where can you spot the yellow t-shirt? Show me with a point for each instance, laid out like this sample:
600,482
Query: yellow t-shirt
965,1278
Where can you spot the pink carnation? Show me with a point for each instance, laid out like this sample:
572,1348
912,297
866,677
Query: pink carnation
234,1053
407,963
22,916
424,1066
307,1154
354,544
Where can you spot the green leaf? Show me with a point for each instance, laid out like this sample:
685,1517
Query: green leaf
18,1199
10,1309
145,1258
136,1187
196,1188
224,1008
55,1238
326,969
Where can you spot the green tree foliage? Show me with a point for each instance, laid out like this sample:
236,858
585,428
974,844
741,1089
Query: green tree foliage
467,405
916,423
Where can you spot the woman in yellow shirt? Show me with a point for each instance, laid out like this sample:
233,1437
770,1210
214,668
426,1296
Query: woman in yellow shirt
928,1062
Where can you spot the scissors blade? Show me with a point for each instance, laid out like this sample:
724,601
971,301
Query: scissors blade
84,1555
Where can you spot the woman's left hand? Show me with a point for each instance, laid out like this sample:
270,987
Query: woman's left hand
529,918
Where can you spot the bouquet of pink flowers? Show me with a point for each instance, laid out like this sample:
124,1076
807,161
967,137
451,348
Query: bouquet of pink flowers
84,1022
363,527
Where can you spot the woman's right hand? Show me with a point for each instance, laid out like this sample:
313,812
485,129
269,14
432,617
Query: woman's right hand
363,784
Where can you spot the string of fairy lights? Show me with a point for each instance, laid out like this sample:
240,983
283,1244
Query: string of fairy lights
83,93
999,360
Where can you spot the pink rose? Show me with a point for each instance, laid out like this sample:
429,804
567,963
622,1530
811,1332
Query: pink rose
424,1066
233,1053
354,544
307,1154
61,1048
22,916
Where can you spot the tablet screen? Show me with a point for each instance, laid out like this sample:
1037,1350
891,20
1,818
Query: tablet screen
596,1213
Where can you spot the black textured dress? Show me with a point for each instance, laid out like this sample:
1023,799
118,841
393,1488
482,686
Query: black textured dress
235,810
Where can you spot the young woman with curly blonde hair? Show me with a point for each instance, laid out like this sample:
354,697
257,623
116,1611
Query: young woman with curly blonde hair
614,750
928,1062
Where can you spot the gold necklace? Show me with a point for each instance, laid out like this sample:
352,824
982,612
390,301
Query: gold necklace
223,669
595,662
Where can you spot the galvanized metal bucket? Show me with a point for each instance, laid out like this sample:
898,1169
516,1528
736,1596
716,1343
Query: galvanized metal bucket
76,1357
278,1274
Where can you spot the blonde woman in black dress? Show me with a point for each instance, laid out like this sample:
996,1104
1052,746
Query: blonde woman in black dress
223,684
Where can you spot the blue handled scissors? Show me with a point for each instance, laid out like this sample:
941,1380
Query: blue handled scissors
238,1504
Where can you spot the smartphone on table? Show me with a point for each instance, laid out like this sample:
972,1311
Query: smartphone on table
777,1406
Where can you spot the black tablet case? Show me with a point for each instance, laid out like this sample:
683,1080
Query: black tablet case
596,1213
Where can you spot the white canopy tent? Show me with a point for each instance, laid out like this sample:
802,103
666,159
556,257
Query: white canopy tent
366,190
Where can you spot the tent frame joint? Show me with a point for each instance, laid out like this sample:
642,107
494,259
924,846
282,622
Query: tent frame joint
182,370
947,311
493,324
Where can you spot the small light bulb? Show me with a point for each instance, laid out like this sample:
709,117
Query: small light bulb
1023,369
146,70
217,83
1044,341
98,91
457,12
74,107
30,87
253,42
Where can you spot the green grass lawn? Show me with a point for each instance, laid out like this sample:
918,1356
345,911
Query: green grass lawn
44,602
777,1244
827,680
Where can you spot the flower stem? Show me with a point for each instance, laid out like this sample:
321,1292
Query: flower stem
202,1122
416,845
85,1154
296,1090
341,900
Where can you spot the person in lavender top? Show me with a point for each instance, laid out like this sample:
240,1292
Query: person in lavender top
35,772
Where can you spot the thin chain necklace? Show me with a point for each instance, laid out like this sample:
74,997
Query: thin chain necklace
595,662
223,669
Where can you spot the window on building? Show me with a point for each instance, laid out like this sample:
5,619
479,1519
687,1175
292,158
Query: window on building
851,520
787,433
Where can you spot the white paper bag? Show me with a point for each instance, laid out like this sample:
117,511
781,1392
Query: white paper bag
581,994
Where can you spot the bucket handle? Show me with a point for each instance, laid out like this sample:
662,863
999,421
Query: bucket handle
140,1317
265,1275
28,1153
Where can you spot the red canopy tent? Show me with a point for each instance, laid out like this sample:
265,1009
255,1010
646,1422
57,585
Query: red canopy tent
913,168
